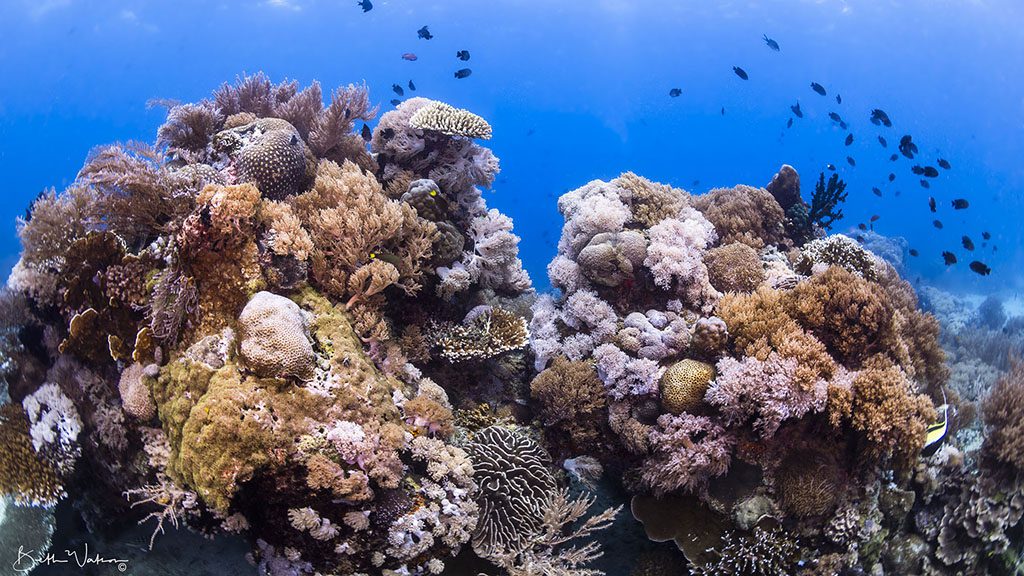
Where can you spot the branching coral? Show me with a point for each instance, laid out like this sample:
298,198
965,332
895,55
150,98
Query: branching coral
762,553
486,332
451,121
826,202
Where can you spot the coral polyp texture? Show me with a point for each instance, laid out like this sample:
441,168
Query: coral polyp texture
266,324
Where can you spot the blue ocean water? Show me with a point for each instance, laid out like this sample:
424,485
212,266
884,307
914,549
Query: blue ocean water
577,91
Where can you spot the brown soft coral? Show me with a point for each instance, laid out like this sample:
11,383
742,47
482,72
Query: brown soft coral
571,404
734,267
352,223
851,315
650,202
743,214
888,412
1003,411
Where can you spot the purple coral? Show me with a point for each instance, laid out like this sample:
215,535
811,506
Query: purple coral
687,451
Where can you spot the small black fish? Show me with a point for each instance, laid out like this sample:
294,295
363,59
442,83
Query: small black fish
943,163
859,238
961,204
876,192
843,125
424,33
839,99
818,88
907,146
937,224
675,92
925,184
892,176
930,172
835,117
879,117
968,243
882,141
949,258
862,226
851,161
412,86
875,218
771,43
395,101
914,253
723,110
366,5
463,73
931,204
898,192
398,89
365,133
740,72
849,139
831,166
980,268
986,235
789,124
462,55
796,110
917,170
388,133
894,157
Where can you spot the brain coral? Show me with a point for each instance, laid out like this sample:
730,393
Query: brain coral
515,486
683,385
734,267
271,153
274,338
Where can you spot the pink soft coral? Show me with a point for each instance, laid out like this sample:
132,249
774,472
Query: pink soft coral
687,451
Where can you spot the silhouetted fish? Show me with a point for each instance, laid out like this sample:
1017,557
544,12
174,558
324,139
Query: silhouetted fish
876,192
395,101
968,243
462,55
930,172
943,163
675,92
894,157
839,99
849,139
771,43
366,5
949,258
907,146
914,253
937,224
980,268
892,176
851,161
986,235
790,123
862,226
818,88
925,184
409,56
961,204
831,166
843,125
463,73
365,133
424,33
879,117
917,169
740,72
723,110
835,117
796,110
875,217
931,204
398,89
883,142
411,85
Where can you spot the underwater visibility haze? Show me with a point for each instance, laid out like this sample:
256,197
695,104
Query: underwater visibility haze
634,288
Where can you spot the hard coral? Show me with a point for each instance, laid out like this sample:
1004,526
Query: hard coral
683,385
274,338
24,475
838,250
270,153
449,120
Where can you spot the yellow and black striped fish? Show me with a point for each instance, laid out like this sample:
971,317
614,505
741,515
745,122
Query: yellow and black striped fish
936,433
